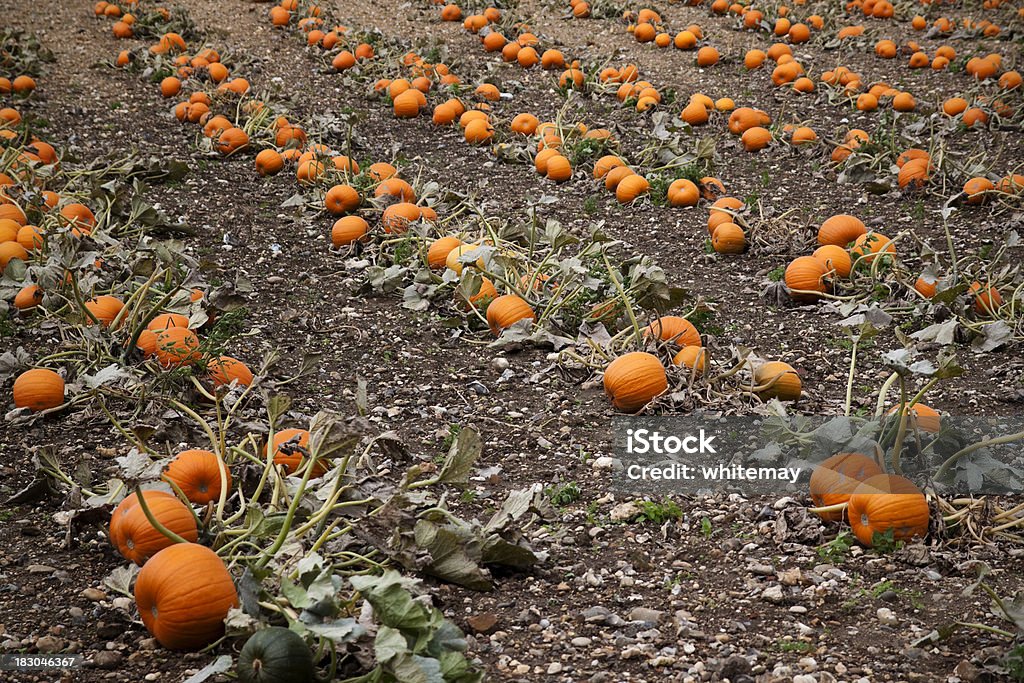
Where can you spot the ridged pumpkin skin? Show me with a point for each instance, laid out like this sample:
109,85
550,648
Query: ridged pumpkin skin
225,369
183,594
104,309
869,246
692,357
38,389
507,310
275,655
840,230
348,230
835,259
673,328
139,540
166,321
197,474
786,388
886,501
804,276
124,507
176,346
835,479
729,238
439,249
632,380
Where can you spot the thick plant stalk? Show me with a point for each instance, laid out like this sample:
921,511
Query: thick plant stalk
967,450
849,380
153,520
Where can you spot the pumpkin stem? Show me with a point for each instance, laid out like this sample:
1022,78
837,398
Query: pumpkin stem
153,520
825,509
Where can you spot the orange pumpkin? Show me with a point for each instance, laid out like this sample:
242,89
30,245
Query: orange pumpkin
887,502
833,480
341,199
231,141
869,246
779,380
835,259
225,370
167,320
840,230
269,162
683,192
289,451
197,473
507,310
437,254
105,309
987,299
692,357
176,346
633,380
183,595
805,278
729,238
674,329
925,417
631,187
29,297
114,534
139,540
348,229
38,389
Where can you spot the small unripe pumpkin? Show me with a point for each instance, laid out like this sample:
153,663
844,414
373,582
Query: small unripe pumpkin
277,654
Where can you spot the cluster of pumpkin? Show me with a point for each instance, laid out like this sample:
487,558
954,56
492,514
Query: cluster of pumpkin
753,19
854,487
227,137
409,95
634,379
619,178
167,339
398,197
22,85
946,25
549,160
312,24
184,590
646,27
124,16
807,277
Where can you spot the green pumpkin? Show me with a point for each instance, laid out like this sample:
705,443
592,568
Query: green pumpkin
275,655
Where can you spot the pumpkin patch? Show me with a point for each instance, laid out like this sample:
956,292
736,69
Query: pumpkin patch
317,316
